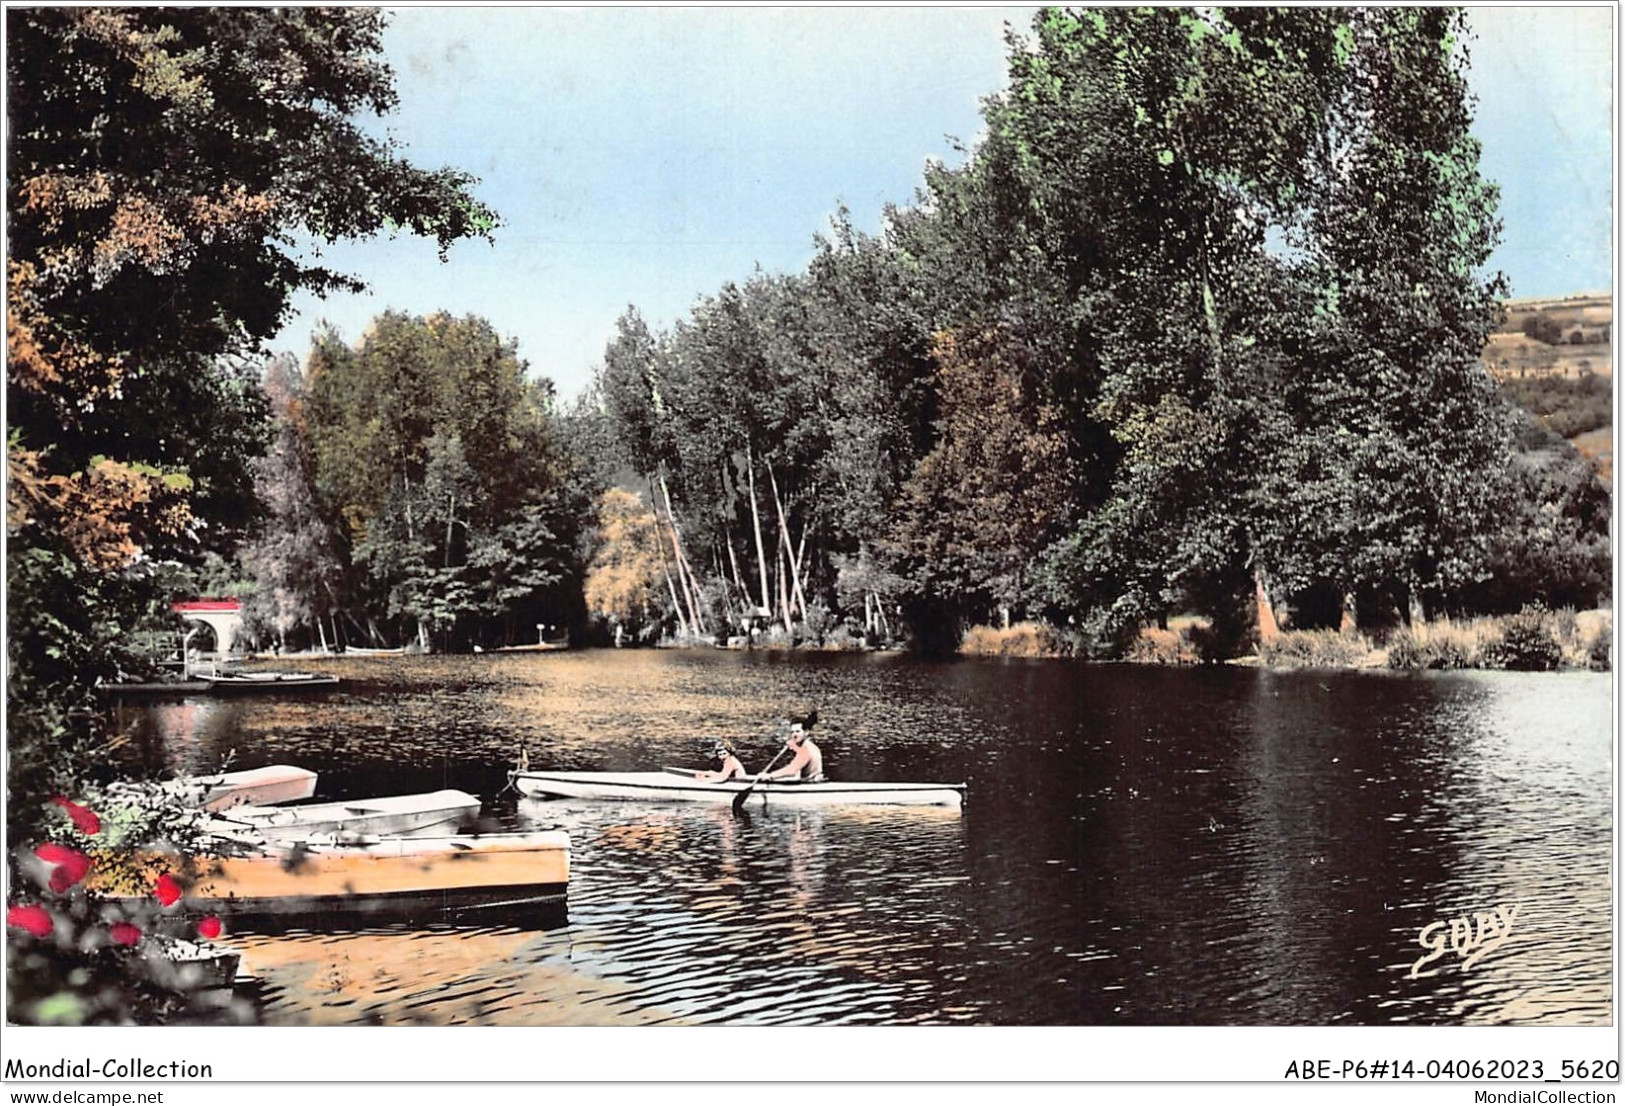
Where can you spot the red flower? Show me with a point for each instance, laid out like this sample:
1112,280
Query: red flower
209,928
34,919
167,890
70,865
84,819
124,933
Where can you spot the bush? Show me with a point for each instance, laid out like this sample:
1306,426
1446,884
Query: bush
844,638
1315,649
1024,639
1434,647
1600,654
1529,643
1593,643
817,623
97,906
1568,406
1543,328
1108,633
1158,646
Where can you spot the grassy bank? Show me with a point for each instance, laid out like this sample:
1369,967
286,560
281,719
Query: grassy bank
1533,640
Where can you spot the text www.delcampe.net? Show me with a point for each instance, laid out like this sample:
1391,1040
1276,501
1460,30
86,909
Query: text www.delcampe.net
85,1098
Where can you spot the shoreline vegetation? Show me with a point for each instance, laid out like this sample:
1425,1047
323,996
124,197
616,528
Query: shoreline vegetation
1533,640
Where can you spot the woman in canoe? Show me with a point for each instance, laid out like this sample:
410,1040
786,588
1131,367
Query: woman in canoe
728,765
807,761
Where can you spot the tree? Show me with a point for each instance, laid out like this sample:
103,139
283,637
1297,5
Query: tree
1127,184
445,461
624,580
294,553
875,364
1270,225
1552,545
163,162
1394,412
995,490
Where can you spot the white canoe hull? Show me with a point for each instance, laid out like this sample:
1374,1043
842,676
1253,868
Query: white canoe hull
675,787
275,783
444,811
262,683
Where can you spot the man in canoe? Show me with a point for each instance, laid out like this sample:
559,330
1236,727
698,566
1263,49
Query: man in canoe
728,764
806,761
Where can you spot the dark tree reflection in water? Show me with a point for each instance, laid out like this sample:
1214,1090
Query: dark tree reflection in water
1139,846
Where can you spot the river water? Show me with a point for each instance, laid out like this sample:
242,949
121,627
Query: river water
1139,846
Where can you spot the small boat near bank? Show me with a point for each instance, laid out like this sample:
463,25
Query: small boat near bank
413,879
680,785
273,783
444,811
177,688
261,683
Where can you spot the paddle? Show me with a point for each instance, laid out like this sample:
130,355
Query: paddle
739,799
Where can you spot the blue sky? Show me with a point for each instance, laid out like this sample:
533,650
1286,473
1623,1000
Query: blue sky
648,155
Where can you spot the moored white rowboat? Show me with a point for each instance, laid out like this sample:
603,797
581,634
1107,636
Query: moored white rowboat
676,785
274,783
259,683
397,814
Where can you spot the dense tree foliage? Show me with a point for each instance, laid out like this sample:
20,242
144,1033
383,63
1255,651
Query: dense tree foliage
161,159
1202,314
994,491
162,162
442,461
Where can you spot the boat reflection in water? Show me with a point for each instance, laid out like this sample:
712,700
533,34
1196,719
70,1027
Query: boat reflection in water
793,916
656,933
401,975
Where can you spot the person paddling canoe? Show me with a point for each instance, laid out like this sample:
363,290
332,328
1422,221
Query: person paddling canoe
806,760
728,764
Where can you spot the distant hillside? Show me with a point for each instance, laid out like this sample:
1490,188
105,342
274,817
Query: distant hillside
1555,358
1567,337
1589,308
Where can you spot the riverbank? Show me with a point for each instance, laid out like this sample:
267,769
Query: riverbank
1533,640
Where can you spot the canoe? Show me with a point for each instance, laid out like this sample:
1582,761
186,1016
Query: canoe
175,688
411,878
678,785
397,814
261,683
274,783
